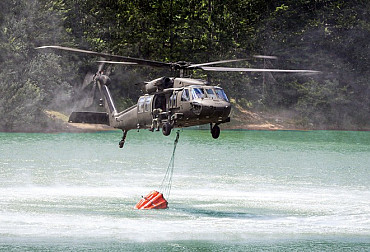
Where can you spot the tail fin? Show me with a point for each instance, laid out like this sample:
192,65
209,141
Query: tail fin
103,82
108,99
98,117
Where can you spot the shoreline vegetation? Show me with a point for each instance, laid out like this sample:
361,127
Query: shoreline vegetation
326,36
242,119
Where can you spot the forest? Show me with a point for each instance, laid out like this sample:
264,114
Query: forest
331,36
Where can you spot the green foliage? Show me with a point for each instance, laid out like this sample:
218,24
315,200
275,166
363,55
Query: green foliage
29,82
20,105
330,36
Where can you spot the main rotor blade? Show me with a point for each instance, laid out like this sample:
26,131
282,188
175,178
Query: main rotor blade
265,57
228,61
117,62
215,62
111,56
238,69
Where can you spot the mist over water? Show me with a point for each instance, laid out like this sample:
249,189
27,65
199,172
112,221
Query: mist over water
282,190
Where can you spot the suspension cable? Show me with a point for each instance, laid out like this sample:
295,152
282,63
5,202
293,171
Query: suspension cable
167,180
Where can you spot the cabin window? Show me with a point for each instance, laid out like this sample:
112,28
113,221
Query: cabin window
210,93
185,95
140,105
197,93
147,103
173,100
221,94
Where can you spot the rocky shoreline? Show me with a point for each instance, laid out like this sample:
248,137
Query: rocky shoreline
241,119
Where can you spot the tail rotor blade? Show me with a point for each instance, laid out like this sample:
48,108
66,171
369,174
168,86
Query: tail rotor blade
89,77
101,65
90,99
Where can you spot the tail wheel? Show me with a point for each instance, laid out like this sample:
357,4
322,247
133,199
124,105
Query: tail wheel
166,129
215,131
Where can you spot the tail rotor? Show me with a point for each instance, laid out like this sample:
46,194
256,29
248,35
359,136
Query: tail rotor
90,81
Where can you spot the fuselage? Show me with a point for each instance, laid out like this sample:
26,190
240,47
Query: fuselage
190,103
170,103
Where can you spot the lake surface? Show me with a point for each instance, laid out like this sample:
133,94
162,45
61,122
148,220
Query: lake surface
247,190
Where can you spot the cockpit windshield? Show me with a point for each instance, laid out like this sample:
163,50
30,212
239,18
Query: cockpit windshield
197,93
221,94
210,93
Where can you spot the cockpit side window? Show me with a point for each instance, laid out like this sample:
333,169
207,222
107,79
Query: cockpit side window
173,100
147,103
185,95
140,105
197,93
221,94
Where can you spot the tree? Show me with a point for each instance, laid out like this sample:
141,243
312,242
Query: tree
29,81
330,36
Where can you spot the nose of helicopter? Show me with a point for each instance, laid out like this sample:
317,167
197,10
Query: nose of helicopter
213,108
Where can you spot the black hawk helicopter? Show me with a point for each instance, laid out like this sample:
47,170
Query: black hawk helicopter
168,102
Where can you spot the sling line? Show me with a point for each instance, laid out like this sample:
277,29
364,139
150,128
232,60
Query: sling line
167,180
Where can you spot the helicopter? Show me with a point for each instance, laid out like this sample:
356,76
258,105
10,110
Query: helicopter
168,102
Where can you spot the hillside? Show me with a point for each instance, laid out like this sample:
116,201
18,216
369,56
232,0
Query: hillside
241,119
328,36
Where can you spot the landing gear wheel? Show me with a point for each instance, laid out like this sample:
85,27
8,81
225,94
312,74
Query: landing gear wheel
166,129
215,131
121,143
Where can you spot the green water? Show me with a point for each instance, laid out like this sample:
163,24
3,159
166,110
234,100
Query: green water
247,190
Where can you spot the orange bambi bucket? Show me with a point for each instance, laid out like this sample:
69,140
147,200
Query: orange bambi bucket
154,200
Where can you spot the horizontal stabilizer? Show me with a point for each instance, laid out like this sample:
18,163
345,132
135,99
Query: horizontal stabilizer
89,117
